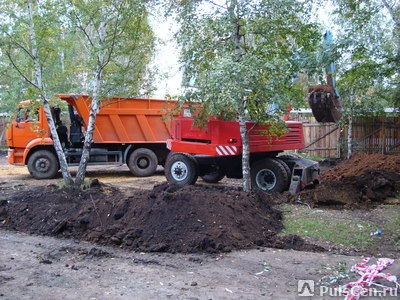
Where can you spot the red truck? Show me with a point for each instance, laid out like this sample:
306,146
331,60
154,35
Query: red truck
215,151
130,131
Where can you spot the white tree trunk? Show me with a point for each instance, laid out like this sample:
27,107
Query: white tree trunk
38,82
239,52
350,127
350,137
94,107
245,155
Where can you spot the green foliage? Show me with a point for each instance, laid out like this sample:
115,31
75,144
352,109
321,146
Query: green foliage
276,129
67,60
123,51
368,73
16,56
245,78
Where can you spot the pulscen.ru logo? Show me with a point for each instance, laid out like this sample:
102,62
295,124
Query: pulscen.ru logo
307,288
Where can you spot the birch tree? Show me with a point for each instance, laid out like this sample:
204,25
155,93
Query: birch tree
119,41
25,32
368,68
369,42
240,58
111,44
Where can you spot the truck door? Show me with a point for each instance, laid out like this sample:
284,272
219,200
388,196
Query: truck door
26,127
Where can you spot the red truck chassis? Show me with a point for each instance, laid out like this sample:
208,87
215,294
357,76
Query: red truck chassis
215,151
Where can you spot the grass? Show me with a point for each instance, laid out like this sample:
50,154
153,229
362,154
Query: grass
345,228
392,222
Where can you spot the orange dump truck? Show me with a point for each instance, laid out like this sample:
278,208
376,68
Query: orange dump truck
130,131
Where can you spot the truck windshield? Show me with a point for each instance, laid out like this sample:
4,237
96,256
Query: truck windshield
25,115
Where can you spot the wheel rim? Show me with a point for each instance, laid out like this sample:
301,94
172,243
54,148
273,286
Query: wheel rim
42,165
143,162
179,171
266,179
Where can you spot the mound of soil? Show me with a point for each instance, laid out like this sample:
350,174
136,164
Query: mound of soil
361,162
363,181
170,218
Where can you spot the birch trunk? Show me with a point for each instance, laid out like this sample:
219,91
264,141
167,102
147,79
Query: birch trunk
244,134
87,145
350,137
238,53
350,128
94,107
38,82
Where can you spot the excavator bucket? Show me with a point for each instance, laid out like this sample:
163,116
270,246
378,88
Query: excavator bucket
324,100
324,103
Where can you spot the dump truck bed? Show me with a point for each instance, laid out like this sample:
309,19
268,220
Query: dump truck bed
127,120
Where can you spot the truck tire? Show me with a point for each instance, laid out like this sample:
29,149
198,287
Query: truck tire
181,168
269,175
143,162
43,164
288,171
214,176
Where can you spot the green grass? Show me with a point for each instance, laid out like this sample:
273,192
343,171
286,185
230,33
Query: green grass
392,219
345,233
332,226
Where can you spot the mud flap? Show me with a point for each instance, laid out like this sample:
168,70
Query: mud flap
324,103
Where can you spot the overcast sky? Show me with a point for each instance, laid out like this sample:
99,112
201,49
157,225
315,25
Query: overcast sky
167,58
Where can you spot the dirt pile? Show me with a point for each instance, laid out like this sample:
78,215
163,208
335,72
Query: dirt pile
169,218
361,162
360,182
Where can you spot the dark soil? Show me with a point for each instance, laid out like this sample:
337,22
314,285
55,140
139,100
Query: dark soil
200,218
170,218
364,181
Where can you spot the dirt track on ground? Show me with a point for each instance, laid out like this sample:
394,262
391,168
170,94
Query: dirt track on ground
35,267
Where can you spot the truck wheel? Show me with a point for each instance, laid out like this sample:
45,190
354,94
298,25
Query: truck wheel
214,176
288,171
143,162
269,175
43,164
181,168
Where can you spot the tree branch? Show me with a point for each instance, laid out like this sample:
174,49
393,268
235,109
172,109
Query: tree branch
80,24
23,49
19,71
216,4
395,18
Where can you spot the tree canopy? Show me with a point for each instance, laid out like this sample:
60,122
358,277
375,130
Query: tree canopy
261,65
67,58
369,45
241,60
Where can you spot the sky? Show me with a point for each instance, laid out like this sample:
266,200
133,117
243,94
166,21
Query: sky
166,58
